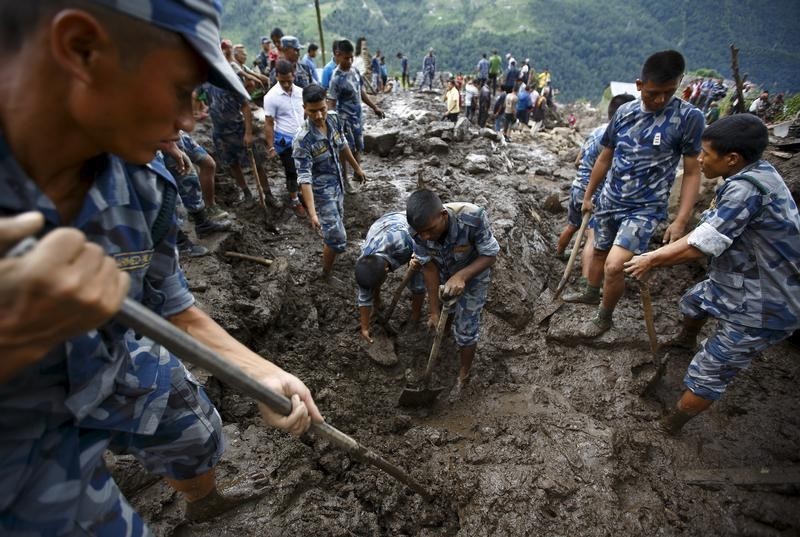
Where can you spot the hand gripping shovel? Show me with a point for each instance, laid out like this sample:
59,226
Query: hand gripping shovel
381,350
147,323
425,395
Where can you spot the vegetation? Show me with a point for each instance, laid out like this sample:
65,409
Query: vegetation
584,43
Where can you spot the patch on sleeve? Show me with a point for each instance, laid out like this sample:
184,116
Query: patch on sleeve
130,261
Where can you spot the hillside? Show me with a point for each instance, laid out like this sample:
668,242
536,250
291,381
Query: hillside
584,43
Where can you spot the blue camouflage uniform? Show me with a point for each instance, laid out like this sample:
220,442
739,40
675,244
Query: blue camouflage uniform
345,89
428,70
189,182
589,152
316,157
302,75
647,148
225,110
753,285
469,236
107,388
389,237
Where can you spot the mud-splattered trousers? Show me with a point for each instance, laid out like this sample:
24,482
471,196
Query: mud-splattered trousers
345,89
189,182
469,236
107,387
389,237
316,157
225,111
752,232
647,149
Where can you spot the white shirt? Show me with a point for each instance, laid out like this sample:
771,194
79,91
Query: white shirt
286,110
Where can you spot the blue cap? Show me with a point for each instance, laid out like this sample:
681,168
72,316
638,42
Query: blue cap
197,21
290,41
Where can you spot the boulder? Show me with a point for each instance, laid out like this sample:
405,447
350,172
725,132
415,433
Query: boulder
491,134
461,129
381,141
478,163
436,146
438,128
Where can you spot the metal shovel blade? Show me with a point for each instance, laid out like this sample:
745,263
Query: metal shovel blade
381,350
416,397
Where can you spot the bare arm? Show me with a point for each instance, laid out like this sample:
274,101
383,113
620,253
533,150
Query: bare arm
203,328
366,98
308,197
457,283
689,189
674,253
599,171
347,155
269,135
430,275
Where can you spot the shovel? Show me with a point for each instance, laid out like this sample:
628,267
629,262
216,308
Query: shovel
647,307
147,323
425,395
555,303
261,198
381,350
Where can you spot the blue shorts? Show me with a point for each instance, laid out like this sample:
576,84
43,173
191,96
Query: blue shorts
193,150
574,213
467,317
626,230
329,203
229,147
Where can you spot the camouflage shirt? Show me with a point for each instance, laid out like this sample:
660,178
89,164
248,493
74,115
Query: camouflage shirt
345,89
316,156
647,148
468,236
388,237
754,240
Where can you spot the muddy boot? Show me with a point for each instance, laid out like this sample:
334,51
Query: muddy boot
457,390
215,212
687,338
216,504
187,247
204,226
349,187
672,422
597,325
583,294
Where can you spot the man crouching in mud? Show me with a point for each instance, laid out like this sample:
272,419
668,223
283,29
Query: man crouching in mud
89,91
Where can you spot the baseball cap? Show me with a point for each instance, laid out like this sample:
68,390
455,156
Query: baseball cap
197,21
291,41
265,39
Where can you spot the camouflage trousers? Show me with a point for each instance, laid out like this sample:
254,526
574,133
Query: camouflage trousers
467,316
729,350
188,186
66,489
329,203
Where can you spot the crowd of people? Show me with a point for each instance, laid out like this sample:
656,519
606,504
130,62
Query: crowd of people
130,85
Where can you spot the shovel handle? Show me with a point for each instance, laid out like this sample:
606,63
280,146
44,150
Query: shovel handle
396,298
262,200
647,307
573,255
437,342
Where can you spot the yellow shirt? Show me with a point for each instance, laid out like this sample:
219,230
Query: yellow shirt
452,99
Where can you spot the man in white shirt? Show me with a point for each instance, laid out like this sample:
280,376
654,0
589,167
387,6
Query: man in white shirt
283,106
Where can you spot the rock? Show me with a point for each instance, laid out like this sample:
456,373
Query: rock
434,162
461,129
477,163
436,146
565,173
381,141
552,204
565,132
438,128
490,134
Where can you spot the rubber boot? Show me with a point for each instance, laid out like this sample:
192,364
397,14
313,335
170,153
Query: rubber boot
597,325
583,294
689,406
204,226
687,337
186,246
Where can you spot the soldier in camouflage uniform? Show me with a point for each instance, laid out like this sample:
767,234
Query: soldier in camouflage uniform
642,147
345,93
318,148
455,245
751,232
290,46
388,246
73,382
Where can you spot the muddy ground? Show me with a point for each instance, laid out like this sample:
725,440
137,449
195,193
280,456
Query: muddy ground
554,436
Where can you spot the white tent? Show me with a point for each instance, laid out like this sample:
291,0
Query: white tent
620,88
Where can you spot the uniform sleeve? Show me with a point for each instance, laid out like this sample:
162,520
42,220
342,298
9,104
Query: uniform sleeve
421,252
737,204
333,89
693,131
302,161
342,139
485,243
609,138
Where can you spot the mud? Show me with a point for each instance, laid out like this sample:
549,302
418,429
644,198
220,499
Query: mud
554,436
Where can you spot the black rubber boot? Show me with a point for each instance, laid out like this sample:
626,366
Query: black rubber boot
583,294
204,226
673,422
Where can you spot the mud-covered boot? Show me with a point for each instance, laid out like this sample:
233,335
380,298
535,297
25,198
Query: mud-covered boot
583,294
215,504
687,337
204,226
672,422
597,325
187,247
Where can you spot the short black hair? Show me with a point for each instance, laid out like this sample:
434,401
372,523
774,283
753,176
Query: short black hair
346,46
421,207
276,32
745,134
312,47
399,55
617,101
313,93
370,271
662,67
284,67
335,46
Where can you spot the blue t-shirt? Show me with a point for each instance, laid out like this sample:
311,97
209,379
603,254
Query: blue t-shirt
327,72
647,148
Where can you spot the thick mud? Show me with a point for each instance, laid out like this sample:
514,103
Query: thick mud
554,435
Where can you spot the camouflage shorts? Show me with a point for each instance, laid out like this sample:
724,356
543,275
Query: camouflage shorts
329,203
354,133
229,148
729,350
193,150
68,489
629,231
188,186
467,318
574,213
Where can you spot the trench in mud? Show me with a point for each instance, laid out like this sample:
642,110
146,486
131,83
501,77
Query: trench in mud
552,436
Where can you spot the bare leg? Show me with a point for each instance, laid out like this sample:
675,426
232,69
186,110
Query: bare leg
238,176
195,488
564,238
614,277
466,355
595,271
586,255
689,406
416,306
328,256
207,170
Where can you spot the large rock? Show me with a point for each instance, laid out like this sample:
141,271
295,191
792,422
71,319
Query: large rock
478,163
461,129
436,146
381,141
439,128
491,134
